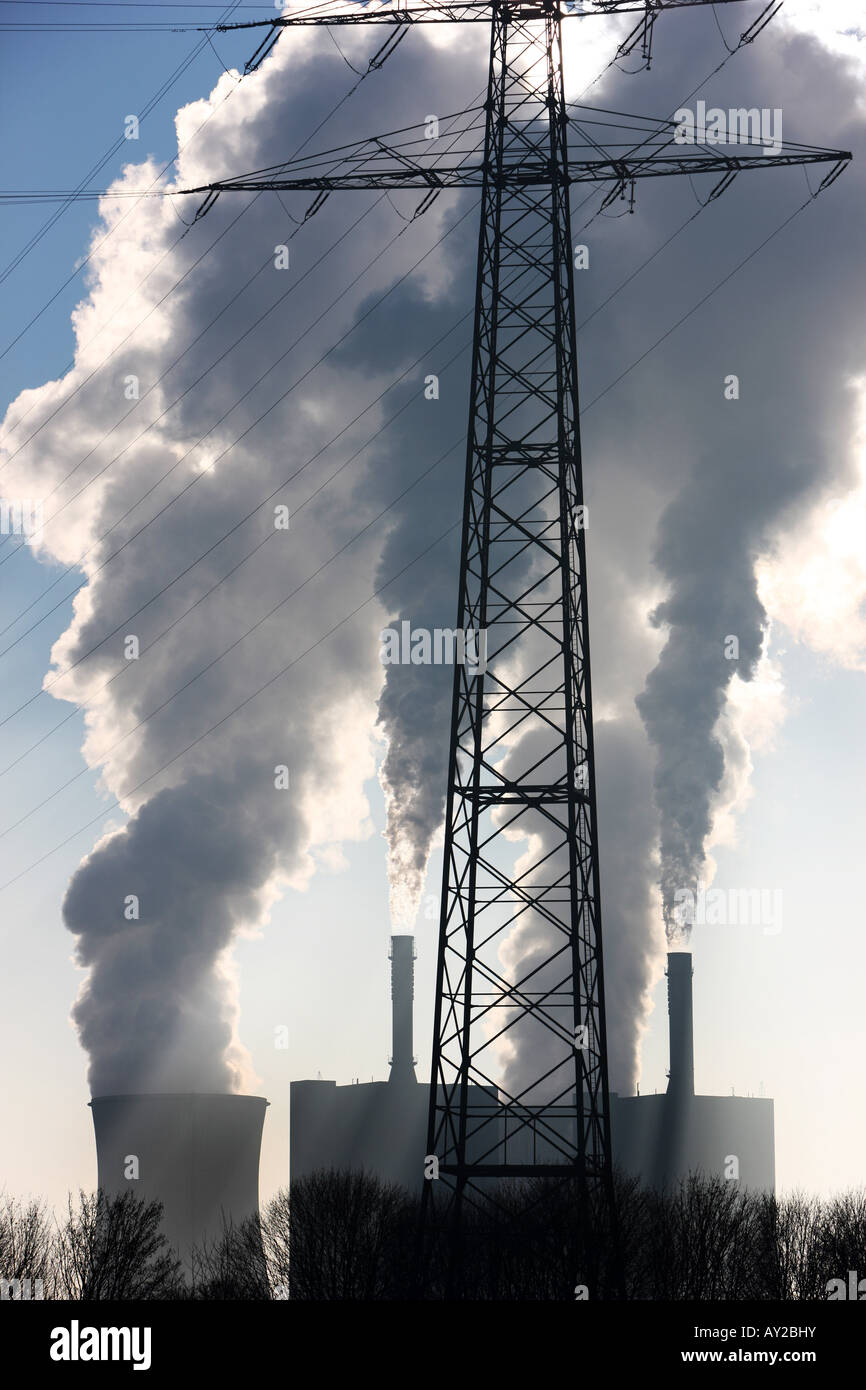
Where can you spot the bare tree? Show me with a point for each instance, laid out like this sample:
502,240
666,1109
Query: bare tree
791,1248
25,1249
112,1247
842,1246
232,1266
276,1239
349,1237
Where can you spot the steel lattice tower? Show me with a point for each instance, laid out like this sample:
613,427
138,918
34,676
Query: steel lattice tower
523,581
519,1074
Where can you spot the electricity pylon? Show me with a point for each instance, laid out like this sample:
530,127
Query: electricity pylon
519,1076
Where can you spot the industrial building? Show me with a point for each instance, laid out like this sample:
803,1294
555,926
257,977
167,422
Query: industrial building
662,1138
198,1154
378,1126
381,1126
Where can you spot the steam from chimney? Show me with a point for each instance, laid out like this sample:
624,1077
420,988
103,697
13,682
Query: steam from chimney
209,841
414,709
706,551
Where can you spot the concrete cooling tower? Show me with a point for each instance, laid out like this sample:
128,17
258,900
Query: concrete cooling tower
197,1154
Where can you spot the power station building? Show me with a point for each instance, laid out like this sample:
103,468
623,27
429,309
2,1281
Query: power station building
381,1126
662,1138
378,1126
199,1154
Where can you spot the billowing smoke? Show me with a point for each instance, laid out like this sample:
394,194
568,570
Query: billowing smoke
706,550
686,489
760,454
413,782
174,1030
197,400
690,492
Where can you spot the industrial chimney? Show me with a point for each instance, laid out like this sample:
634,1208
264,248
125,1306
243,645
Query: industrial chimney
196,1153
681,1077
402,997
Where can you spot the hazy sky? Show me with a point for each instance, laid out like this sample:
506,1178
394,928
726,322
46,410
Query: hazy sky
722,509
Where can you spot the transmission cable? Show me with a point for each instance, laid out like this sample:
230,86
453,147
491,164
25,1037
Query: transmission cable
223,417
583,411
148,107
177,464
342,621
45,688
246,633
92,252
288,667
334,109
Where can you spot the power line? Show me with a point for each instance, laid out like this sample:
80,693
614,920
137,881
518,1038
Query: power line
169,292
129,5
159,303
719,284
118,144
198,477
175,402
264,502
273,679
228,448
136,25
642,357
647,261
225,451
583,411
80,192
329,116
748,36
47,27
285,483
145,719
244,519
604,303
237,341
177,464
249,555
75,196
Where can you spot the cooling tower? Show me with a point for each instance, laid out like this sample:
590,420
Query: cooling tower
198,1154
402,999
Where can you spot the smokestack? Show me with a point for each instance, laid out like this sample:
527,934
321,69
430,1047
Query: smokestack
198,1154
402,996
681,1077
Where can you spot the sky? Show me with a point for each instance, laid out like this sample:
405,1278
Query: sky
709,517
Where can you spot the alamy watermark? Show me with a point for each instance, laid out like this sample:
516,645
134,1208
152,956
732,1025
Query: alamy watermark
21,1290
730,907
21,516
853,1288
438,646
739,124
77,1343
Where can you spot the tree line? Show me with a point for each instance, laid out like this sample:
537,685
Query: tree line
350,1236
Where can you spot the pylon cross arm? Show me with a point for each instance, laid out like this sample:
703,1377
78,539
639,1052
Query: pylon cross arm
467,12
406,174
